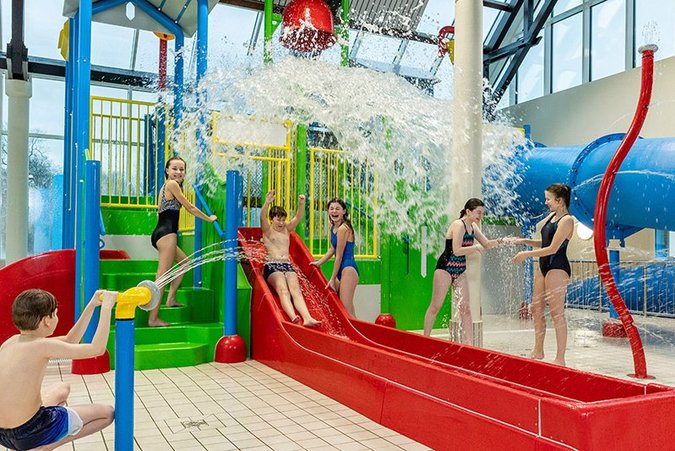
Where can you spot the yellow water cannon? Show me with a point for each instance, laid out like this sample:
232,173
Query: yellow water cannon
145,295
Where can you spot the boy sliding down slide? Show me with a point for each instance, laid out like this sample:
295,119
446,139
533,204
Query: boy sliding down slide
30,419
278,271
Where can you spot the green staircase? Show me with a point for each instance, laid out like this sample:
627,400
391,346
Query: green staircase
195,328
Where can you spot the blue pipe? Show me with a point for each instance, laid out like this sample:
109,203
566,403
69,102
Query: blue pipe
233,183
202,52
124,384
92,227
641,193
208,211
69,186
81,140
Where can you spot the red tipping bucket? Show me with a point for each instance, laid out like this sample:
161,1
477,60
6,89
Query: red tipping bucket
307,26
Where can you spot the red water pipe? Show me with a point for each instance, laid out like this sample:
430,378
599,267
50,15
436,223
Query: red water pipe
162,64
442,33
600,216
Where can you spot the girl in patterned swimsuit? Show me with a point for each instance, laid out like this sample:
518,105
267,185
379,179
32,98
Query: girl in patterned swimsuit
451,267
553,274
165,236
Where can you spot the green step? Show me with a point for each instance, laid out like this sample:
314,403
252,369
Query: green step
172,346
171,355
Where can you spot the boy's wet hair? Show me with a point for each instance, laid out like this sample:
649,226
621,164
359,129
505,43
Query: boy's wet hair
277,212
31,306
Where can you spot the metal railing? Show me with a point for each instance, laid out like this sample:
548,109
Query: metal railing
330,176
124,138
647,287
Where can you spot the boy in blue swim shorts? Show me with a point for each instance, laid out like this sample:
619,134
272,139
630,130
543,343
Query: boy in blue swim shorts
29,417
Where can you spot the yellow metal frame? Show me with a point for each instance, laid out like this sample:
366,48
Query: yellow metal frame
336,171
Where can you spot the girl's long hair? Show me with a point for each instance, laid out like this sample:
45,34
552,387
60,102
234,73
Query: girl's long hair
345,218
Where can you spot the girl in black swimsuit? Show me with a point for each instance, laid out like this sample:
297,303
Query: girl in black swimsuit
165,236
451,267
553,274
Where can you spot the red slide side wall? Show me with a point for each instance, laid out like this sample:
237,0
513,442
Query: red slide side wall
52,271
442,394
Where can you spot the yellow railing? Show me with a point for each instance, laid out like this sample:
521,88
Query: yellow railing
123,137
271,170
330,176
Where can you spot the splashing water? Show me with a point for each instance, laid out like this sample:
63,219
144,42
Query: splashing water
403,135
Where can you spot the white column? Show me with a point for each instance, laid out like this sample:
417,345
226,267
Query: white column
467,165
18,94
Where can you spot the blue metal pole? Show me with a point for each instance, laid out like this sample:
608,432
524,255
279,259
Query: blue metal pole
614,260
202,52
69,186
92,226
81,139
178,82
231,227
124,384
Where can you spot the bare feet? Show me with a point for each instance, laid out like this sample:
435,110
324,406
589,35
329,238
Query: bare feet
536,355
158,323
311,322
560,362
296,320
174,304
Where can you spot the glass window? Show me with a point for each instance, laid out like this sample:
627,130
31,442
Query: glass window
419,55
378,48
111,45
437,14
531,74
41,40
565,5
655,23
608,38
46,106
567,52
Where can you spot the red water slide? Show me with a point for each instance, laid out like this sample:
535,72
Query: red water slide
52,271
442,394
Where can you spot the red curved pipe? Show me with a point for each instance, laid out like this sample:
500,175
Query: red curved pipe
600,215
446,30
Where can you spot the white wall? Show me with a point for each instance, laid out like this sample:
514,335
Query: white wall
581,114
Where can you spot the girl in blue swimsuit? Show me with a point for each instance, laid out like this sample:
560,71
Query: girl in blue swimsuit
165,236
553,274
345,276
451,267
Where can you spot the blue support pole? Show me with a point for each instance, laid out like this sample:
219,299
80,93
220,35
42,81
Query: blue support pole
124,384
614,260
92,227
67,240
81,140
202,52
233,184
178,82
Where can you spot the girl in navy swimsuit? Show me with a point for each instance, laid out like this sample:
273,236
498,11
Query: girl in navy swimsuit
553,274
451,267
345,276
165,236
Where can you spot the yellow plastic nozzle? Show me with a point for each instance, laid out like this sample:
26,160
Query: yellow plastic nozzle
129,300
